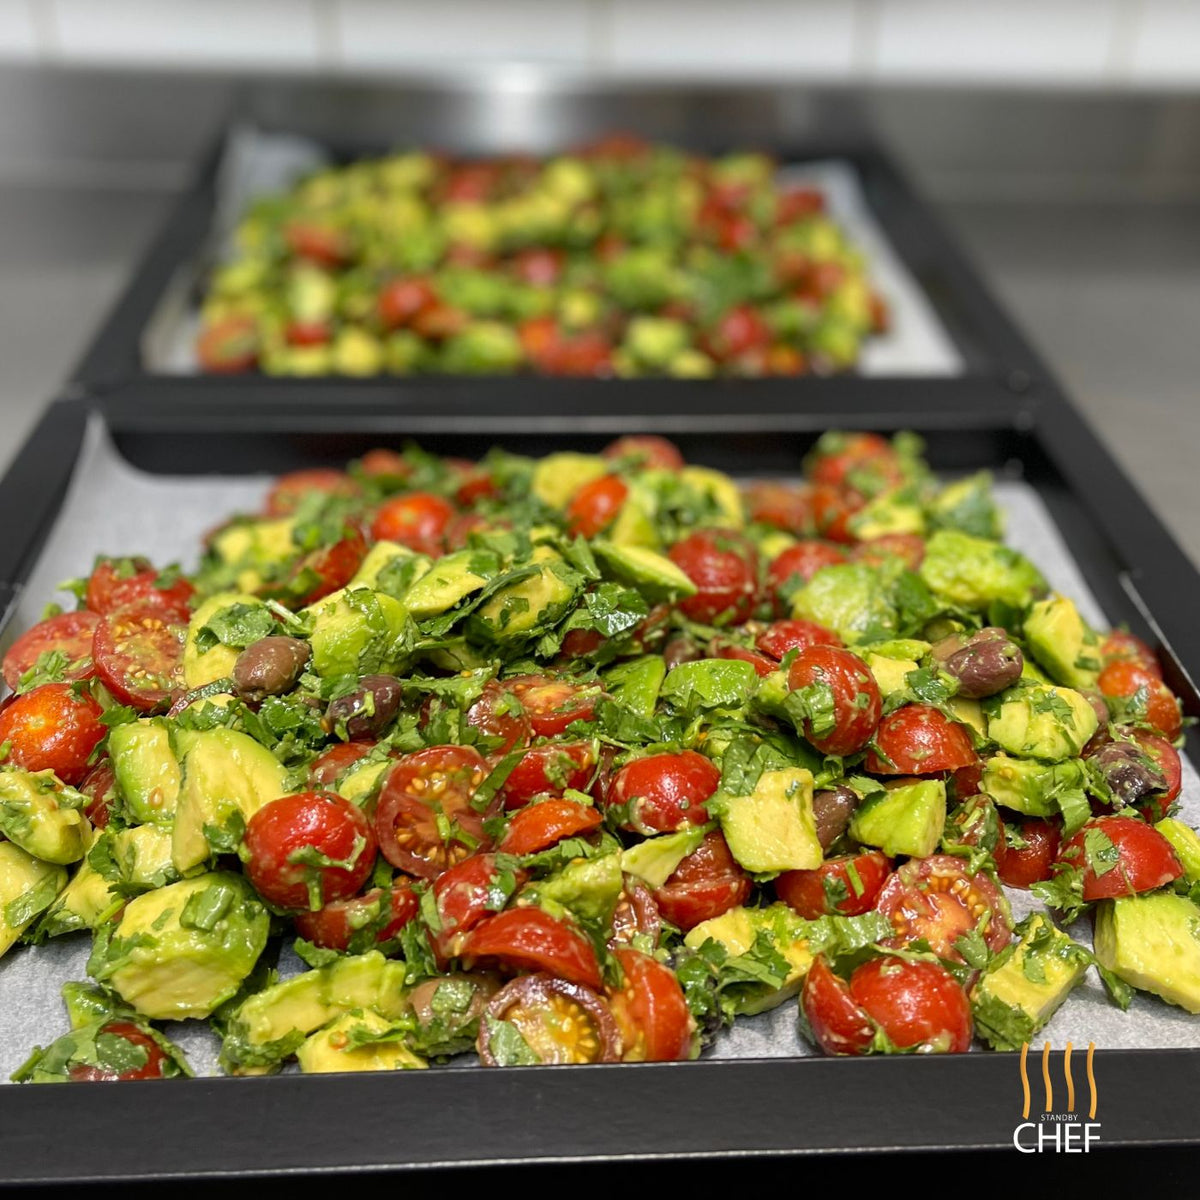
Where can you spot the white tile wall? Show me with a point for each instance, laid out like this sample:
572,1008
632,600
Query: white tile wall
18,34
1166,43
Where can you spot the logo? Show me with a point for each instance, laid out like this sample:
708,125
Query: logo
1058,1129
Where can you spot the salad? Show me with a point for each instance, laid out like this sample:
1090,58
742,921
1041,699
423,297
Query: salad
583,759
620,258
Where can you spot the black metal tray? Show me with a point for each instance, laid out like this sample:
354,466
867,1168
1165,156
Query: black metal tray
602,1114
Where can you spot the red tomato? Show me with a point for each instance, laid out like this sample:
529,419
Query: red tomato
476,484
909,548
1026,852
1122,646
401,300
308,849
636,914
707,883
461,527
792,569
100,787
1126,678
937,900
417,520
919,740
782,505
1167,759
139,656
424,818
919,1005
325,770
857,704
832,509
837,1023
647,450
653,1016
762,665
289,491
308,333
52,729
550,770
155,1066
781,636
439,321
553,704
539,265
497,715
739,330
386,911
966,780
228,345
324,571
664,792
724,567
322,244
595,506
559,1021
116,583
465,894
385,464
1121,856
69,634
840,454
539,826
848,885
528,939
794,204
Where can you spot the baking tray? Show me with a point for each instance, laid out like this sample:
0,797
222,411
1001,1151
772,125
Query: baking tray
606,1114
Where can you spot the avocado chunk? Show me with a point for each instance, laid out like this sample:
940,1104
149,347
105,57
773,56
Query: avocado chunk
143,854
358,632
1186,844
447,581
848,598
1063,644
1152,942
907,817
973,572
634,525
889,513
41,815
146,769
252,551
528,606
79,905
557,477
587,887
968,506
1025,986
1031,787
1051,723
184,949
205,662
652,573
773,829
390,568
360,1041
227,778
654,861
720,492
92,1044
891,674
28,887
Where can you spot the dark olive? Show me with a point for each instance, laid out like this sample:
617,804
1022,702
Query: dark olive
367,711
988,663
1130,774
833,810
270,667
681,649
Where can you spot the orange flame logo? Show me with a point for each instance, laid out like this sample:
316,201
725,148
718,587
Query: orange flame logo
1027,1098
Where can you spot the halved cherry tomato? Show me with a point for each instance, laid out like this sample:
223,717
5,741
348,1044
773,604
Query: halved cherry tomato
549,770
384,910
539,265
322,244
1125,678
325,770
497,715
1122,646
781,636
636,914
763,666
919,1005
1166,757
1026,852
69,634
476,484
139,655
538,826
116,583
424,818
832,509
401,300
323,571
100,787
839,454
909,548
552,704
308,333
792,569
388,465
465,894
857,704
529,939
848,885
289,491
794,204
650,1009
838,1024
52,728
647,450
783,505
228,345
595,506
417,520
918,740
154,1067
1121,856
706,883
723,565
664,792
560,1021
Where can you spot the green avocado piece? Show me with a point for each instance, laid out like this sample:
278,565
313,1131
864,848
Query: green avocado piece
557,477
907,817
1186,844
720,491
1062,642
634,525
773,829
1026,985
522,609
143,853
201,667
28,887
250,551
973,572
887,514
654,574
588,887
891,674
654,341
447,581
390,568
968,506
654,861
183,950
1152,942
42,815
1050,723
146,769
347,1045
79,905
848,598
358,632
1028,786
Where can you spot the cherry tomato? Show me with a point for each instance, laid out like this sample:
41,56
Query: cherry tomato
465,894
782,505
308,849
1125,678
792,569
1026,852
325,770
539,266
228,345
424,818
595,506
848,885
323,571
497,715
100,787
938,900
1122,646
386,911
139,656
117,583
401,300
69,634
664,792
919,1005
476,485
289,491
552,704
560,1021
51,728
1166,757
529,939
724,567
647,450
918,740
384,464
832,510
636,914
966,780
794,204
706,883
550,769
838,1024
539,826
763,666
321,244
650,1009
857,704
155,1066
1121,856
308,333
781,636
417,520
909,548
839,454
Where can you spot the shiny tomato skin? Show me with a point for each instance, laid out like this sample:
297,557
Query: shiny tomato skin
290,490
1167,759
110,588
918,1005
909,548
833,508
228,346
595,506
919,740
497,715
401,300
650,1009
707,883
552,704
50,728
781,636
763,666
1144,859
1121,646
417,520
781,505
322,822
70,634
636,915
1033,862
648,450
325,570
539,826
465,894
665,792
854,450
153,1068
100,787
139,656
322,244
529,939
723,565
796,565
1124,677
848,885
839,1026
332,926
549,769
326,768
848,678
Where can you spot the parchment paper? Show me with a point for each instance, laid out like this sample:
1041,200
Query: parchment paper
258,164
113,508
